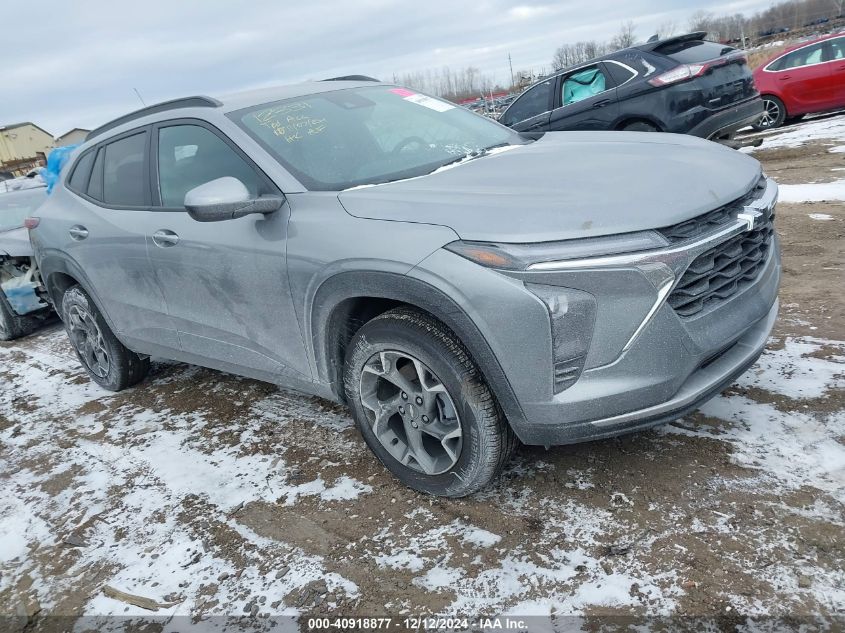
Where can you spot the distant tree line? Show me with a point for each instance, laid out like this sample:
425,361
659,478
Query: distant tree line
791,14
448,83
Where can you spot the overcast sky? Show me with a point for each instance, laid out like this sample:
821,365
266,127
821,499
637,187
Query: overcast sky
75,64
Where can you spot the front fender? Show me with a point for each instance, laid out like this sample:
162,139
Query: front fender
328,315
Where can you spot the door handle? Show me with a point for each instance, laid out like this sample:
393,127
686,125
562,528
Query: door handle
602,103
165,239
78,232
785,77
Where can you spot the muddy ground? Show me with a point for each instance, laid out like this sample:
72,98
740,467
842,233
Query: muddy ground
212,495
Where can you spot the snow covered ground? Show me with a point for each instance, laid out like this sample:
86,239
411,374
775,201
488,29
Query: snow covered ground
122,485
205,495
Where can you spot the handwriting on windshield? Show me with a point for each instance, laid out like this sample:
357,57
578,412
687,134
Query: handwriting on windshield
291,121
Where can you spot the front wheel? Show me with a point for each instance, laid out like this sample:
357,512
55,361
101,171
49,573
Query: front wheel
107,361
774,114
423,407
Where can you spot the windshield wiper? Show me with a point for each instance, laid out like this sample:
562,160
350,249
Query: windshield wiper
476,153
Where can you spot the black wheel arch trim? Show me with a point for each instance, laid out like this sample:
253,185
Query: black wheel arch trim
629,118
53,263
327,313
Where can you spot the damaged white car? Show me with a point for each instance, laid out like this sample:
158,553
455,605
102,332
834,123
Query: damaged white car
24,304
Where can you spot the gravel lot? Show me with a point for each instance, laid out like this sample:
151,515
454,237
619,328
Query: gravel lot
210,495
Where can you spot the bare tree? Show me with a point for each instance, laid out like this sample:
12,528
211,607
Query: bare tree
701,20
625,37
667,29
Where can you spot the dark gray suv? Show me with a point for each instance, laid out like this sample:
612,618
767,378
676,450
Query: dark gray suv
457,285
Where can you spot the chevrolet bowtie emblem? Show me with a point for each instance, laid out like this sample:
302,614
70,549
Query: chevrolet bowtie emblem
749,217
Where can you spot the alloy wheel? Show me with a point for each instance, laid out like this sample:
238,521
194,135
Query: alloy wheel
771,113
88,340
411,412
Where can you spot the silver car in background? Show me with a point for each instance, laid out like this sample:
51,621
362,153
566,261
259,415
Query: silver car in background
24,304
459,286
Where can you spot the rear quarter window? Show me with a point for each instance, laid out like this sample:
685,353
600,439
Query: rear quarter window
78,180
693,52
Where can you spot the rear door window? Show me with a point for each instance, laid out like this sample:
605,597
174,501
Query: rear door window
536,101
583,84
124,172
693,52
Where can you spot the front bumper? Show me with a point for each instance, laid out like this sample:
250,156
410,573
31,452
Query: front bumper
670,364
707,381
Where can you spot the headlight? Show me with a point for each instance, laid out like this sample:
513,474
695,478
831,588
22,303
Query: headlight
573,317
520,256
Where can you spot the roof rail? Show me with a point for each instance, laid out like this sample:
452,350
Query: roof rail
174,104
352,78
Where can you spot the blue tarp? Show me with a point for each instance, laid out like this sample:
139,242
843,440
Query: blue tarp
55,162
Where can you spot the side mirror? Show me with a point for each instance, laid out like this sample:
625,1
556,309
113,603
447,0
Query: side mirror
227,198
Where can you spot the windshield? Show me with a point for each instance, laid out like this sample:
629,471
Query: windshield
359,136
15,206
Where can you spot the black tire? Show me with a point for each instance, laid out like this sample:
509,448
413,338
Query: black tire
487,439
639,126
794,119
774,114
115,368
13,325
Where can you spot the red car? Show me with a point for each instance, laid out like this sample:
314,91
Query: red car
806,78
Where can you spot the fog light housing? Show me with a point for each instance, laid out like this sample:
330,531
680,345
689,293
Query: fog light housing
573,316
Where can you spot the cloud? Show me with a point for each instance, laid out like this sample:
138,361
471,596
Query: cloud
528,12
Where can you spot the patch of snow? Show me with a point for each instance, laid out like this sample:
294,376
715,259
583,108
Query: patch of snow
793,372
816,192
820,216
346,489
828,128
792,449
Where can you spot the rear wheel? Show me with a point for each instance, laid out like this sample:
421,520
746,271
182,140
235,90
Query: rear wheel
107,361
423,407
640,126
774,114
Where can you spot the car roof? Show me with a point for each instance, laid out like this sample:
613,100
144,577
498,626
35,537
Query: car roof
248,98
227,103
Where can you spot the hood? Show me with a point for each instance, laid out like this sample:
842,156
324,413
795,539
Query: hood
567,185
15,243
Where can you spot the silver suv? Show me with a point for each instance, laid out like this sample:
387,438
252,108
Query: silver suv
458,285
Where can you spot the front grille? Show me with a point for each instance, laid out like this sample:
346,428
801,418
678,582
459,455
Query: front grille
724,270
704,224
